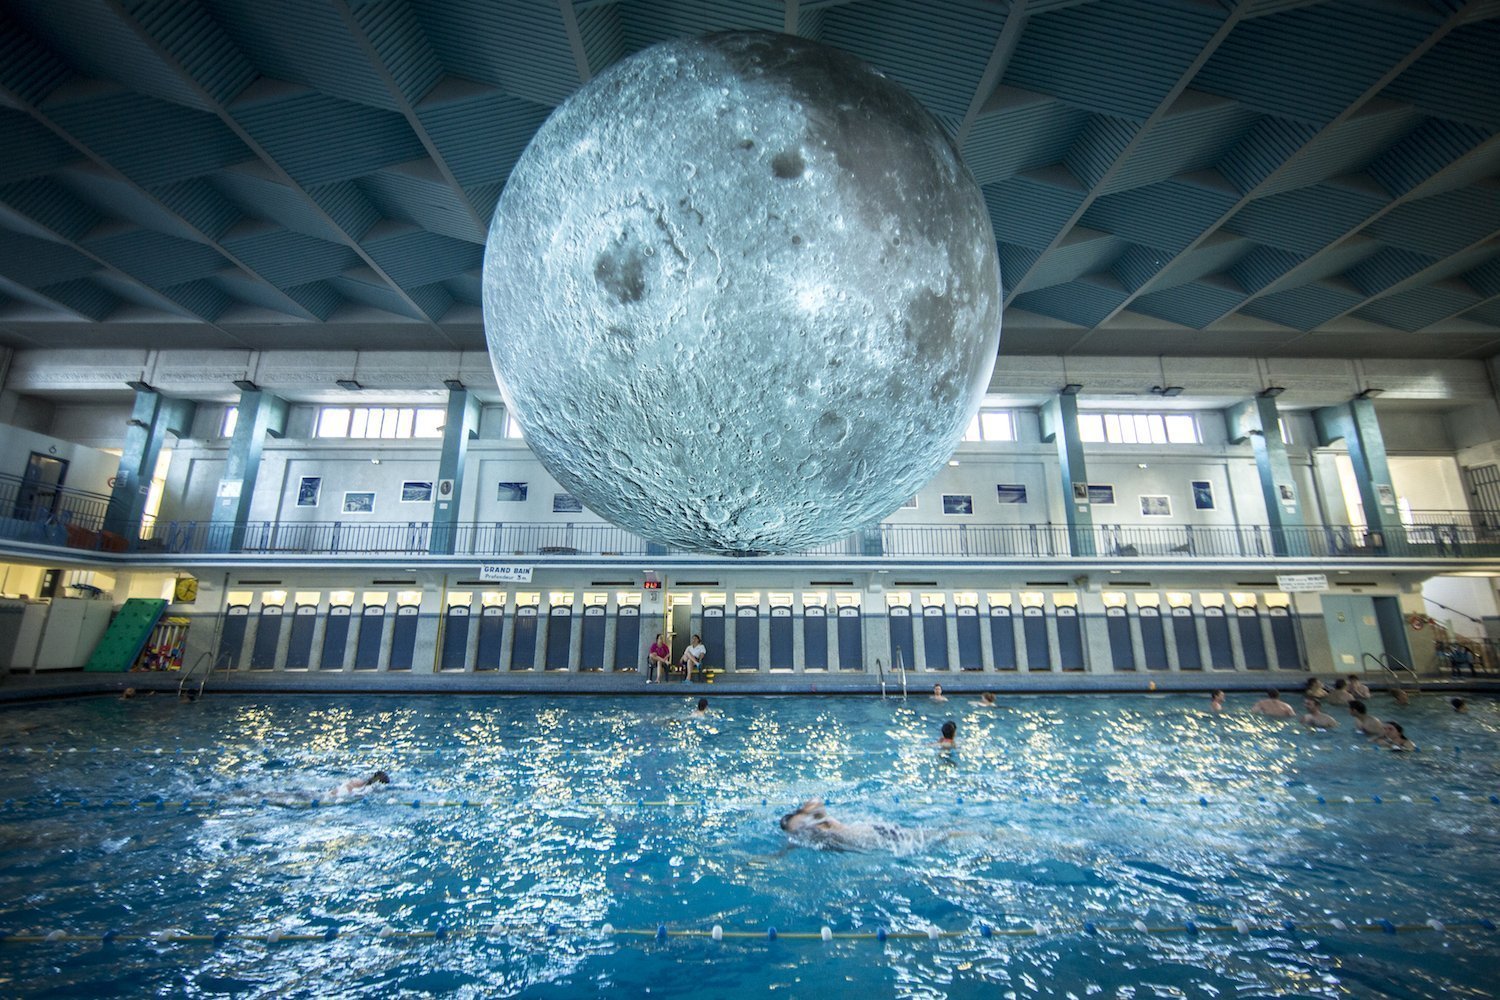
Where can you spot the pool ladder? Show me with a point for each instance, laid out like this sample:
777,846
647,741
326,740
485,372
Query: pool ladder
213,663
900,667
1394,667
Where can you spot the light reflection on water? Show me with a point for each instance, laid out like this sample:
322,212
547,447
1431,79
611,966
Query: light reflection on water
993,845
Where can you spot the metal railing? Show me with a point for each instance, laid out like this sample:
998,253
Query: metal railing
1459,534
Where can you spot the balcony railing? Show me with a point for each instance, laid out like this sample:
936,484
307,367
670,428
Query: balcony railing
60,517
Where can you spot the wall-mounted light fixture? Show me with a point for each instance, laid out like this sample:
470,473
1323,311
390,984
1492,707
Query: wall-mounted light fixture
245,385
350,384
1071,389
453,384
1271,391
140,386
1166,390
1368,393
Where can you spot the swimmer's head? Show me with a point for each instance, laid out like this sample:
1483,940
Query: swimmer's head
937,689
1357,707
988,697
1273,694
1312,704
949,728
702,704
1340,684
1458,704
1217,695
809,816
380,778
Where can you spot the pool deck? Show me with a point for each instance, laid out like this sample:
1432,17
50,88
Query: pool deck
17,688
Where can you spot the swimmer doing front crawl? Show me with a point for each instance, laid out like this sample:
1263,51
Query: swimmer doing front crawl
812,826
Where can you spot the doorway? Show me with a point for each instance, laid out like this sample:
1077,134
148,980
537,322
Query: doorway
1353,630
41,487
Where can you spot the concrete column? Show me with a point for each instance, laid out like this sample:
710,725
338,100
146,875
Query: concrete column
151,419
461,427
1258,420
260,415
1060,426
1356,424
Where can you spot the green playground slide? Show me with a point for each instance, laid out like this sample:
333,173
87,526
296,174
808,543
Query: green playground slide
126,636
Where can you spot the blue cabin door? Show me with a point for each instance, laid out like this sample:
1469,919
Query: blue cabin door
628,652
455,638
591,638
851,639
1003,637
491,637
299,646
523,655
1121,649
814,637
335,638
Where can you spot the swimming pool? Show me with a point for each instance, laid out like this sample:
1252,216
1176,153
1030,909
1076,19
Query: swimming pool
516,828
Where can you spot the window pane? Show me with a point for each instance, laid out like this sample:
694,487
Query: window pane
359,425
1182,429
512,429
388,418
429,423
1286,431
997,425
1156,433
231,420
333,422
403,423
1091,428
972,432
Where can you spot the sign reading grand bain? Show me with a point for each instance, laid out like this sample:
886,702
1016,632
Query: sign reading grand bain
741,294
495,573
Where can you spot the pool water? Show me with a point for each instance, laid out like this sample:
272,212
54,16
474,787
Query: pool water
541,819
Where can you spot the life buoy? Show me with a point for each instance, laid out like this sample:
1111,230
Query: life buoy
1417,622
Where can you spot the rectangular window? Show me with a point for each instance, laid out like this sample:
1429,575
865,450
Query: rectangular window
333,422
388,422
992,425
230,422
512,429
1138,428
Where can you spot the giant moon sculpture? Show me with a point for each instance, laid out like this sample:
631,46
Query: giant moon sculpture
741,294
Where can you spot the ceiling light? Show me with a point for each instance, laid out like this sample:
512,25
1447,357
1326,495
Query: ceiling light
140,386
350,384
1271,391
245,385
1072,389
1369,393
1166,390
453,384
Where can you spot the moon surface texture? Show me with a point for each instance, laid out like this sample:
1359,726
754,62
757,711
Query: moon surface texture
741,294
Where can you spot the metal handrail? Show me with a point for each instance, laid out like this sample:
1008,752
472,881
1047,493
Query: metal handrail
187,674
901,668
880,672
1384,661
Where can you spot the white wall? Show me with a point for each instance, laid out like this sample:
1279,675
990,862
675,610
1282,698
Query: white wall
88,468
1469,595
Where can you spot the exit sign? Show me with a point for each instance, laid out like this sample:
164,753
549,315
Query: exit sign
651,585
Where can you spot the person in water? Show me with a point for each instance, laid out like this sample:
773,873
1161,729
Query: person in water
950,729
986,700
1364,722
1340,694
702,708
1393,736
1459,705
1216,701
1316,718
360,786
812,824
1272,705
937,693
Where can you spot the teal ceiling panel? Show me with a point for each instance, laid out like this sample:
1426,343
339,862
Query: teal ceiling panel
1384,269
317,297
392,28
1013,140
427,202
1193,139
937,49
34,263
287,259
347,206
1457,77
201,204
1485,278
603,36
1138,265
1269,144
1168,216
1099,145
1117,57
1488,314
1304,308
481,137
420,258
1309,64
51,206
83,296
117,198
30,149
319,139
184,142
1338,258
195,41
646,22
242,289
374,293
1216,254
1346,148
1083,252
306,43
1196,304
522,48
484,197
201,298
157,259
433,299
1261,266
1085,302
1419,307
1016,261
1445,223
1306,220
260,197
28,68
465,289
1428,149
1029,212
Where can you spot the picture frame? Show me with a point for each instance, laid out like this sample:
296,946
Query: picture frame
566,503
958,504
1101,494
416,491
1081,492
309,489
1156,505
359,502
910,504
1008,493
1203,494
511,493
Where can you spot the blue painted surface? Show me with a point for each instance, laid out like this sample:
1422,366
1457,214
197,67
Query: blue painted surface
781,655
1003,638
299,646
559,637
491,639
591,638
1153,639
1185,631
903,644
966,630
629,650
1252,639
935,637
232,637
1220,648
335,638
404,637
851,639
814,638
1284,638
371,634
712,631
1069,639
267,639
455,638
1038,646
1121,649
523,654
747,638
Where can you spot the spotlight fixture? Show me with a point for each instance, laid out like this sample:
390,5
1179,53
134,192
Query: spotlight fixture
1368,393
350,384
140,386
245,385
453,384
1271,391
1071,389
1166,390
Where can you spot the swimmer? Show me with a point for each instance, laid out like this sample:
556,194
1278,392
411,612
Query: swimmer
1314,688
127,694
1216,701
986,700
937,693
812,824
1357,688
1459,705
1272,705
360,786
1393,736
950,729
1340,694
1316,718
702,708
1400,695
1364,722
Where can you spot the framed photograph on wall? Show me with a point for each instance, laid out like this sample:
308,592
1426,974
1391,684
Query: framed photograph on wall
511,493
566,503
309,488
1102,494
1010,493
909,504
416,492
958,504
361,502
1203,494
1156,505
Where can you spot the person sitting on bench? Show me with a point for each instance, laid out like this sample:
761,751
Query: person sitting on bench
692,657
